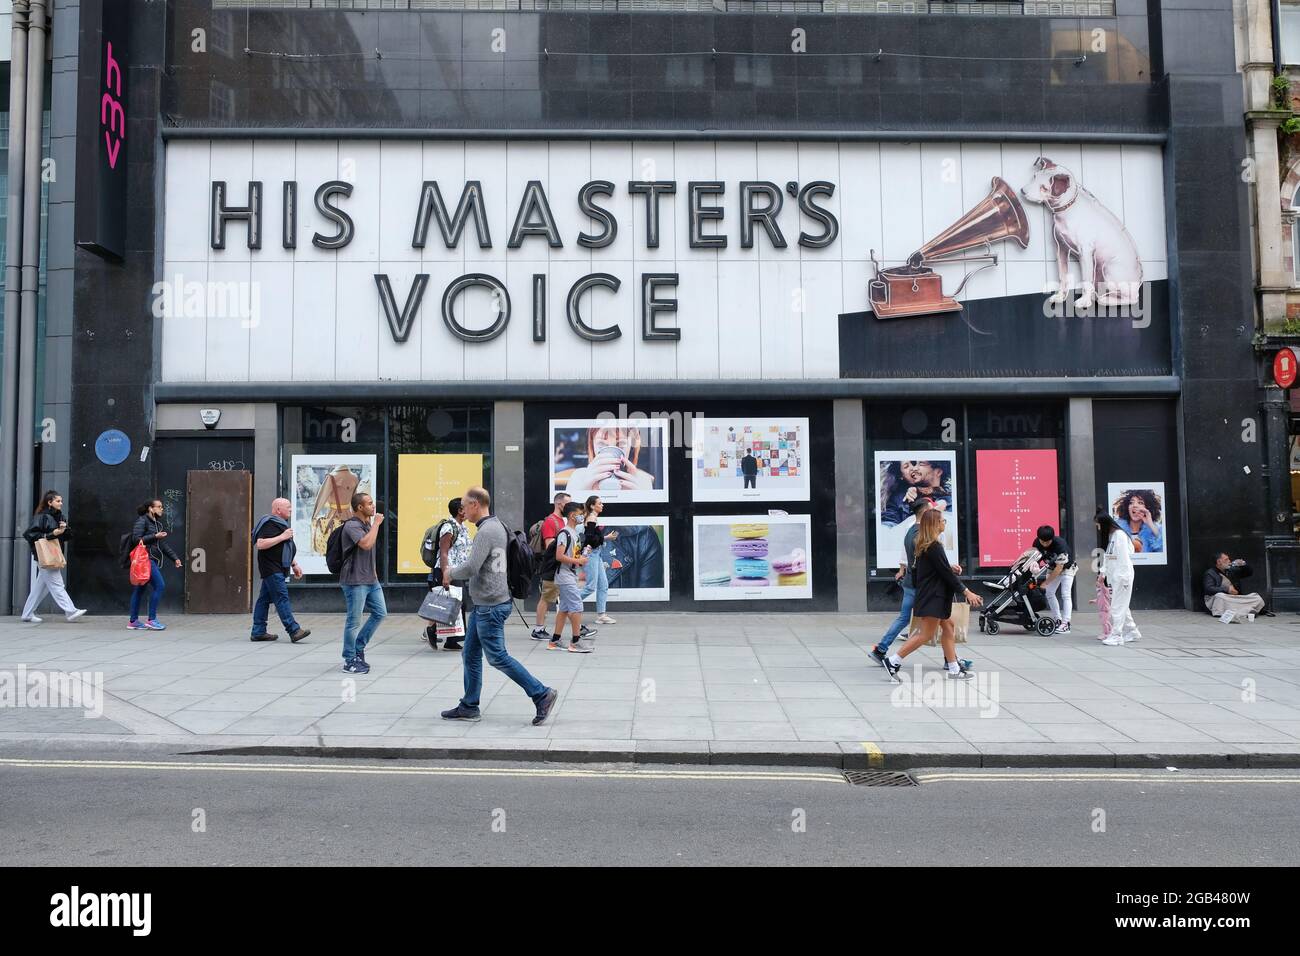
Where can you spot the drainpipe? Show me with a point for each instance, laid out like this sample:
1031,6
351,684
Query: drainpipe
25,431
10,546
1275,24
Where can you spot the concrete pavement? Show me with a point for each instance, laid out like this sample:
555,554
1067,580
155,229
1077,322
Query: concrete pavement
696,688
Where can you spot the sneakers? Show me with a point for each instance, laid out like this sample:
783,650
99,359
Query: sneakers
586,632
875,655
136,626
453,645
1113,641
959,674
155,625
299,634
540,634
356,666
580,647
1130,638
264,637
36,620
75,614
555,645
545,705
461,712
605,619
1063,627
965,664
891,669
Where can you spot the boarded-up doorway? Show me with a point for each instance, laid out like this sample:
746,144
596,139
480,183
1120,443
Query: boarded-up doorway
218,514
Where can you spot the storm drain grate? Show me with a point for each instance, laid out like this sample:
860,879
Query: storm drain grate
880,778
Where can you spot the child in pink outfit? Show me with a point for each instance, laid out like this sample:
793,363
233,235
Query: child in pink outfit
1103,605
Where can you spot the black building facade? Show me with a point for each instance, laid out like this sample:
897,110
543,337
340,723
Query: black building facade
698,234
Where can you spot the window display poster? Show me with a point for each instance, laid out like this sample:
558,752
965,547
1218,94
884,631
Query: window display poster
321,490
753,557
1139,508
618,460
425,483
635,554
902,477
749,459
1017,494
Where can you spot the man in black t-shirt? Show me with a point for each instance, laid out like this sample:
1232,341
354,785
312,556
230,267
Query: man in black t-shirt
1056,554
749,469
273,539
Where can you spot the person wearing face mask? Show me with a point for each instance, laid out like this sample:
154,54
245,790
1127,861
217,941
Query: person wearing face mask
597,571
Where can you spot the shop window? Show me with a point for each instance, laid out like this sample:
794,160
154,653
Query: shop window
410,458
1290,27
1005,460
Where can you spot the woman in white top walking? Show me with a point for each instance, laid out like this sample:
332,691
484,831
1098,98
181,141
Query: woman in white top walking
1119,572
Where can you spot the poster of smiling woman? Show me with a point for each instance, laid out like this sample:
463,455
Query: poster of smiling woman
902,479
1139,508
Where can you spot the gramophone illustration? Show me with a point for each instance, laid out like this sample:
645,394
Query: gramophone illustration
916,289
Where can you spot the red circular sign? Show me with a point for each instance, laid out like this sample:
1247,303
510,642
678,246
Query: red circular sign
1284,368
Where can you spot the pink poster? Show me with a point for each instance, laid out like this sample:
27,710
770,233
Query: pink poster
1017,494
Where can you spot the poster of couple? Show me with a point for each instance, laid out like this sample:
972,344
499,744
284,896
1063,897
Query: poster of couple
902,479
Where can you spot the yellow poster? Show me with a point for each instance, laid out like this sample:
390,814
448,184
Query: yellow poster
425,483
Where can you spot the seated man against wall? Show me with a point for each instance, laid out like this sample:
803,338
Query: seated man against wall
1221,585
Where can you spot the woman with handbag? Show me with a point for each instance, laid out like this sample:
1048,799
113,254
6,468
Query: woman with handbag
936,586
46,535
148,534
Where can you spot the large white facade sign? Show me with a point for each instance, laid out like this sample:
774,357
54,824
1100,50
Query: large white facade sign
570,261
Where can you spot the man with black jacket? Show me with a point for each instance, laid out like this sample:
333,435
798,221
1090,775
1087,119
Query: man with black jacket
1222,592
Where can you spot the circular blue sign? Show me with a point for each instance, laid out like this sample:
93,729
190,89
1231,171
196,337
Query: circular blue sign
112,447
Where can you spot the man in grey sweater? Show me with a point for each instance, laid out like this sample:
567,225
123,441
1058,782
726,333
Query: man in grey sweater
485,569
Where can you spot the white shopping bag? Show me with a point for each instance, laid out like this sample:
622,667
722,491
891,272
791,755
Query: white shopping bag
456,628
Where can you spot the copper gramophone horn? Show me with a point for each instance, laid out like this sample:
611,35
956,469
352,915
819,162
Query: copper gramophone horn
998,216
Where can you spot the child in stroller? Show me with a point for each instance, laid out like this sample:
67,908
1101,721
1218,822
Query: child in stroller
1019,598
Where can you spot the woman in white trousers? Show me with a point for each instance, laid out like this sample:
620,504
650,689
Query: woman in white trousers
48,523
1119,572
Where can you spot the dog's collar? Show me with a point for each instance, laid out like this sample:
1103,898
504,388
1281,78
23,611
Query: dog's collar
1068,204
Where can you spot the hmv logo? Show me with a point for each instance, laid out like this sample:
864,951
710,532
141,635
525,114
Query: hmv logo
111,115
75,908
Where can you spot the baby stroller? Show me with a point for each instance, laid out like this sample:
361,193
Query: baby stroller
1019,598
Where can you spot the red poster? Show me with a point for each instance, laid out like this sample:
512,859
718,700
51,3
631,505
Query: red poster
1016,494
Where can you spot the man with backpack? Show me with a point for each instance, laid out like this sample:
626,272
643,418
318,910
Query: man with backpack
541,538
351,547
445,545
488,571
273,539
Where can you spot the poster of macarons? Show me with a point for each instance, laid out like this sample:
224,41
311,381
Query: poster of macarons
753,557
749,459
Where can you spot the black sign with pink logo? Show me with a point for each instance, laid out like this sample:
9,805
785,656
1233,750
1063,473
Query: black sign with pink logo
102,129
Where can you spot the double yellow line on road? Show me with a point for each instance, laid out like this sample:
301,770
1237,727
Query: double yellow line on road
402,770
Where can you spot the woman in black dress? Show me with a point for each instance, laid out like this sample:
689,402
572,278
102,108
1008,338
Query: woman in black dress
936,585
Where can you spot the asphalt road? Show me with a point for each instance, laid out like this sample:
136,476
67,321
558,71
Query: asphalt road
147,811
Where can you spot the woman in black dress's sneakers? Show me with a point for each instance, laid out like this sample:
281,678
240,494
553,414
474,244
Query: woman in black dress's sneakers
936,585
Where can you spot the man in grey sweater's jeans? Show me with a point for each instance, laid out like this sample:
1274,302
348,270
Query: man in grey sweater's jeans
485,569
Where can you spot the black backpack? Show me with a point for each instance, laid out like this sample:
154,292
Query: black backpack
124,548
334,553
521,563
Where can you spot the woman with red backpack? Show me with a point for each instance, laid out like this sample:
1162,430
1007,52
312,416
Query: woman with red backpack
147,555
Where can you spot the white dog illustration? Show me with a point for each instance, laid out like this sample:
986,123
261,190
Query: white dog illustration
1108,257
